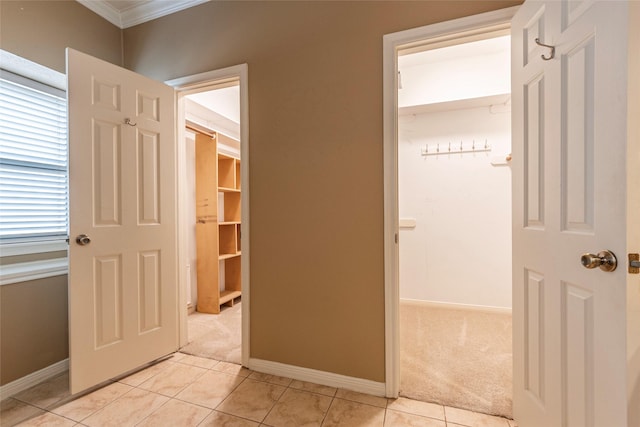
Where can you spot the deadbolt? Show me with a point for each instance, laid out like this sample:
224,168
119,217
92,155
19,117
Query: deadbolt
606,260
83,239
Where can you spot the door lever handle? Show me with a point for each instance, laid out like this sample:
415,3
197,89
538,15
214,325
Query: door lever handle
606,260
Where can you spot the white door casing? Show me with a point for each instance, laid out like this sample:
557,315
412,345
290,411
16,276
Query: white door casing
122,285
570,197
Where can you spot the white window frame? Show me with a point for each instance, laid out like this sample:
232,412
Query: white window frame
19,272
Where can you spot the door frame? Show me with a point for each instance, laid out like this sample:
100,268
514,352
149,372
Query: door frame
193,84
438,35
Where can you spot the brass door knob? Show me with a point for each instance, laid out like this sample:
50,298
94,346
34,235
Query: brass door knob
83,240
606,260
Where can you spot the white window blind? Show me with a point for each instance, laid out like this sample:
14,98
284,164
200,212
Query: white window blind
33,161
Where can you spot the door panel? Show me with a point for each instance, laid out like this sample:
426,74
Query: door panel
123,284
148,178
578,350
534,338
534,153
107,192
108,285
578,161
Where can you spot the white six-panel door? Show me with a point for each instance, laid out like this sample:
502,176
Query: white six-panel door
569,198
123,283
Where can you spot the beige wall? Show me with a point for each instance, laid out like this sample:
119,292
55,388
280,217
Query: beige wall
33,315
315,89
41,30
33,326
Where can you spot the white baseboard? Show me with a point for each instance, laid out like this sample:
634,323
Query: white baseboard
32,379
318,377
455,306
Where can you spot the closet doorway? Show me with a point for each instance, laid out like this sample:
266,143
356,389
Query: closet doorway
454,204
214,217
418,135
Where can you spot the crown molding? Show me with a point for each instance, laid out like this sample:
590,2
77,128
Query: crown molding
105,10
154,9
141,12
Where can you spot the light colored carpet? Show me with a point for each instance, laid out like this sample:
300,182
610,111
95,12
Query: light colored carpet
456,357
216,336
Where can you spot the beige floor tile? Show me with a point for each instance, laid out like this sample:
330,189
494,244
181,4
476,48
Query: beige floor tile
313,388
13,411
48,393
173,379
210,389
128,410
81,408
273,379
139,377
177,356
473,419
49,420
298,409
232,368
200,362
415,407
176,413
403,419
252,400
380,402
218,419
346,413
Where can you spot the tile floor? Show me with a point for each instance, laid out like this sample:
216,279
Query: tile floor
193,391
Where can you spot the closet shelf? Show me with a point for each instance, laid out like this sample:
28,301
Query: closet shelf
227,256
228,190
229,223
229,296
501,101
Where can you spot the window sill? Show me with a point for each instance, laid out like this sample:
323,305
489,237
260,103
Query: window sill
33,270
14,249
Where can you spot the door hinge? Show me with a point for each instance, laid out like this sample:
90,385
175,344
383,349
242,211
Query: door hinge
396,237
634,263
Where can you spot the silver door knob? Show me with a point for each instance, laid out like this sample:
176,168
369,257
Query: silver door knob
83,239
606,260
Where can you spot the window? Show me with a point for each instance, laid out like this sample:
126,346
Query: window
33,161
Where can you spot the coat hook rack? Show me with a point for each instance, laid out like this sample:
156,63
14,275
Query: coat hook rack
552,54
436,149
127,121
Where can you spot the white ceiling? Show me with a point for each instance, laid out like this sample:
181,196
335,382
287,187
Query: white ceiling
127,13
225,101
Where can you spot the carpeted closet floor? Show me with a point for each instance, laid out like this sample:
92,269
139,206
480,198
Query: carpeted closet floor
216,336
456,357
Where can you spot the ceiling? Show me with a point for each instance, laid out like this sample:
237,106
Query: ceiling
127,13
